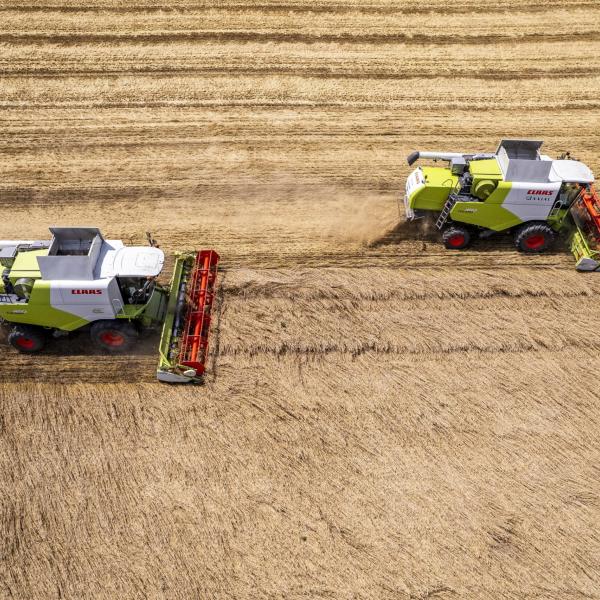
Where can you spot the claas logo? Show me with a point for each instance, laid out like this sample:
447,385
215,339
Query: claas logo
541,192
86,291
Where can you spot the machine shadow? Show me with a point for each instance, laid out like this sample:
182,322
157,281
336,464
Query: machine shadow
425,231
78,343
422,230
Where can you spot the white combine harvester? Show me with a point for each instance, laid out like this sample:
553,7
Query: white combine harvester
79,280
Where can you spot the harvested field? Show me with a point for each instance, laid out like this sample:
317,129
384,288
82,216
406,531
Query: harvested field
382,418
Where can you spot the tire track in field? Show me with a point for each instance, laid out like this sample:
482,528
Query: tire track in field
585,105
316,73
316,8
68,368
300,297
73,39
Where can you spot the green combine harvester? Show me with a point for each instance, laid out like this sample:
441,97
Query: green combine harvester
80,280
515,189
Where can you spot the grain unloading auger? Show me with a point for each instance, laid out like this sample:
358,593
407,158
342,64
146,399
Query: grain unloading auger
514,190
80,280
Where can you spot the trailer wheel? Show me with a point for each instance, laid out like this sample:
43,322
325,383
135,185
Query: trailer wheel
114,336
534,237
456,237
27,338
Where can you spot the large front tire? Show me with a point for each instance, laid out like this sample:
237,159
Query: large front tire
27,338
534,237
114,336
456,237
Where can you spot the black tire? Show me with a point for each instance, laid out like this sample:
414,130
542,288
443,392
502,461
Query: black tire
534,237
114,335
27,338
456,237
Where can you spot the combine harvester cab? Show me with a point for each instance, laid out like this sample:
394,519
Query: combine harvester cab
515,189
184,341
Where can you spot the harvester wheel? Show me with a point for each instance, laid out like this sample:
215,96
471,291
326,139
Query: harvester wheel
27,338
534,237
114,336
456,237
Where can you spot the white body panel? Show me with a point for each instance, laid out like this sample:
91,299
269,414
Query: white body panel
168,377
531,201
120,261
90,300
571,171
587,264
414,182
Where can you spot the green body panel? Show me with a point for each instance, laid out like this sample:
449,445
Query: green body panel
482,214
131,311
498,196
166,338
38,311
154,310
148,314
486,175
580,248
439,183
558,220
26,265
489,214
485,169
584,242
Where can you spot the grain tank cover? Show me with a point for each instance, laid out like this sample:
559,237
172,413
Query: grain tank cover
520,160
523,149
72,255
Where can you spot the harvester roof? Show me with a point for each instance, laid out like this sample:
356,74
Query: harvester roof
82,254
131,262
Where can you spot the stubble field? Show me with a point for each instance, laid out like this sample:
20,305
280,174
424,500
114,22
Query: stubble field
382,418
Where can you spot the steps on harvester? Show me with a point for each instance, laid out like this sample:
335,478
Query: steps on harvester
450,202
184,341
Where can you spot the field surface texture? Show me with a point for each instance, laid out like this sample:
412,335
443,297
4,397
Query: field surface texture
382,418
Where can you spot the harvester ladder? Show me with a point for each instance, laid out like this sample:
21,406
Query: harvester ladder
555,209
450,202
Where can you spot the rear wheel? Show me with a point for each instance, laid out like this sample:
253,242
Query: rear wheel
27,338
114,336
456,237
534,237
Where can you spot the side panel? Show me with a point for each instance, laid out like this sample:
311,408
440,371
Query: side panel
489,214
531,201
482,214
39,311
90,300
511,204
439,182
